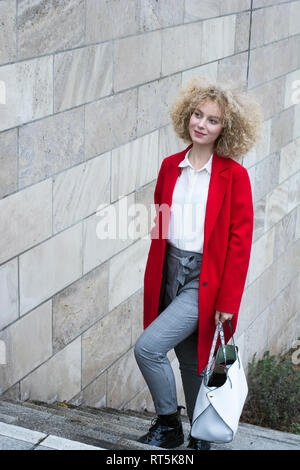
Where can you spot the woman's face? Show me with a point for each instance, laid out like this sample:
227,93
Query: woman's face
205,123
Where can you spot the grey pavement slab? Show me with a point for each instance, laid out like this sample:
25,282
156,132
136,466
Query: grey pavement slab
19,438
9,443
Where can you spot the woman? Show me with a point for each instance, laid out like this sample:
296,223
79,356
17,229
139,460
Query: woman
200,248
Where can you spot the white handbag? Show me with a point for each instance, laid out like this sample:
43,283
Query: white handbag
222,393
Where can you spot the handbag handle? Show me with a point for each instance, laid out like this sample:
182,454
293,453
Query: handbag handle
218,330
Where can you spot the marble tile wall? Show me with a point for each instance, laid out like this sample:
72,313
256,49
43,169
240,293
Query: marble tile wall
85,88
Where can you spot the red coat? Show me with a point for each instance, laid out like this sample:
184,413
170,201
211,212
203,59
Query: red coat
228,233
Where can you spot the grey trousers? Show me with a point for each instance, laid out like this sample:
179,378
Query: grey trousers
175,327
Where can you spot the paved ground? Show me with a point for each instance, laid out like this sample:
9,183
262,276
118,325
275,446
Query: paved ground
38,426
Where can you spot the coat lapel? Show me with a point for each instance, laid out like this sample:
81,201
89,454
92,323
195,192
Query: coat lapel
217,188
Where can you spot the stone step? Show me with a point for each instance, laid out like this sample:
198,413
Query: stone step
103,428
112,429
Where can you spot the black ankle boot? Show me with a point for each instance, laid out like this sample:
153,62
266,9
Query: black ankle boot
166,432
198,444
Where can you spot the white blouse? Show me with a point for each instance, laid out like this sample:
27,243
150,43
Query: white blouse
186,224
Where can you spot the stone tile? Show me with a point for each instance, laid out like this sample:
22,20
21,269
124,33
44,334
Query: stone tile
266,176
257,28
156,15
29,343
29,91
284,339
295,294
201,9
270,24
247,281
209,71
124,380
82,75
44,28
103,19
8,162
50,145
298,224
242,30
127,272
240,342
141,402
292,88
287,266
251,174
276,205
135,305
58,379
285,233
262,254
235,65
134,165
234,6
137,60
144,204
249,308
78,191
289,159
12,393
267,286
268,54
169,143
110,122
176,42
94,394
218,38
256,337
276,25
294,10
49,267
80,305
270,96
23,209
8,292
257,70
296,126
105,342
8,31
281,129
259,218
294,191
279,333
3,352
106,233
262,147
154,100
266,3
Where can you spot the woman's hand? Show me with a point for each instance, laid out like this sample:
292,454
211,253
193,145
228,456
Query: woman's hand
223,316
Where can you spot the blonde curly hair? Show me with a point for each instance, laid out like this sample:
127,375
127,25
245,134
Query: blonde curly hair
242,116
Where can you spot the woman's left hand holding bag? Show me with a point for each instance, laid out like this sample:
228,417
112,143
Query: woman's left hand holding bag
222,316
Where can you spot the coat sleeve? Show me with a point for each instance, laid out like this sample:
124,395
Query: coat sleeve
239,246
